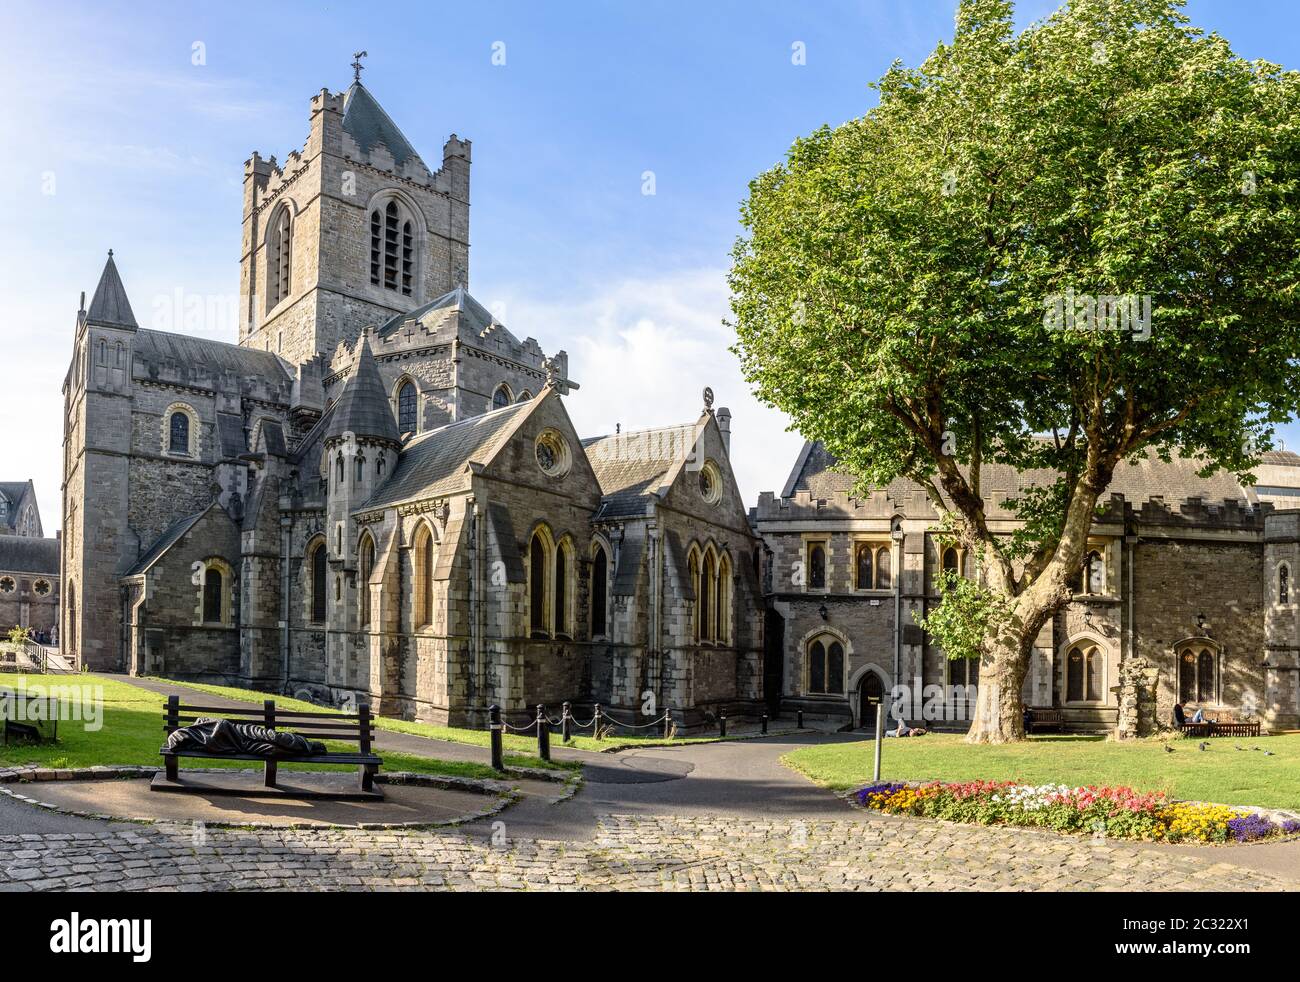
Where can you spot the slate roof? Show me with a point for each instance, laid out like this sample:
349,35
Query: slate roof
218,357
508,545
24,554
435,463
629,564
362,408
109,306
165,542
815,473
633,466
367,123
12,492
475,315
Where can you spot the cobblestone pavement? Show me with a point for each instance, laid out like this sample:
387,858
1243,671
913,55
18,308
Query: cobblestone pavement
627,853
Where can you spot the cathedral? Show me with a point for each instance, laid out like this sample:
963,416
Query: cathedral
377,494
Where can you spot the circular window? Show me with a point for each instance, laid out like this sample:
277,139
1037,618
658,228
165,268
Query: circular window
552,453
42,588
710,482
6,584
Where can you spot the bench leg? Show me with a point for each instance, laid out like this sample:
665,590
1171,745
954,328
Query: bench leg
367,777
173,768
270,773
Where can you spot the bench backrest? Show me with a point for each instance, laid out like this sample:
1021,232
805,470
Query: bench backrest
358,727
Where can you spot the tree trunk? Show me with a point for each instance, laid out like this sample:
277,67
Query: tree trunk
1004,662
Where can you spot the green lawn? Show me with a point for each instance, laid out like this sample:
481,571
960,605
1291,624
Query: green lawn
478,738
132,733
1221,774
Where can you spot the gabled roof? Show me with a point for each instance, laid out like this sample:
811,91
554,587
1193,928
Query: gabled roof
24,554
363,408
109,306
165,542
367,123
437,462
12,494
472,313
633,466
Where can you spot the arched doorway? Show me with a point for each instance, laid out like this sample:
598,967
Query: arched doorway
871,696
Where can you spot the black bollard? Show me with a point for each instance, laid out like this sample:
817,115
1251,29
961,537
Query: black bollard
595,722
494,725
566,724
764,724
668,724
722,722
543,733
799,717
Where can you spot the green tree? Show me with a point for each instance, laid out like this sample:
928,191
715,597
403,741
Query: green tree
960,277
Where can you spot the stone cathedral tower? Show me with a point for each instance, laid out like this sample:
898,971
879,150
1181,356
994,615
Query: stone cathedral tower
351,231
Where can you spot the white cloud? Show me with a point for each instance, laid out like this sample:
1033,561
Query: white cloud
642,350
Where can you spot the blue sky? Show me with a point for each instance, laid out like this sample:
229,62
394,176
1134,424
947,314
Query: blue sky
116,138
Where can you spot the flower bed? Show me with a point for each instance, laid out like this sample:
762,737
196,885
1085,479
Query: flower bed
1120,813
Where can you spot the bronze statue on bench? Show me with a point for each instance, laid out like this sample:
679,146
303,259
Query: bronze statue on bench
223,736
254,733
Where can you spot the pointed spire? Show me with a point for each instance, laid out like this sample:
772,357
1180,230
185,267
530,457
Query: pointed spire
109,306
367,123
363,408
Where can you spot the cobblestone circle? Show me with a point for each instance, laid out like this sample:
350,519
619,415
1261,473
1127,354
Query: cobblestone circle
628,853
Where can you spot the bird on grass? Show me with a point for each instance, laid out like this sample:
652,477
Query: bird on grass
1235,747
1268,753
1168,749
1203,746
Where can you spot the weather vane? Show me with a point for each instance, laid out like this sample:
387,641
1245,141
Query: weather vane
356,64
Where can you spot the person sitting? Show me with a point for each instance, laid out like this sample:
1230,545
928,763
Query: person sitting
1180,718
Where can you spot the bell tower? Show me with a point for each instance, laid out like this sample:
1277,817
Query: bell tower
353,229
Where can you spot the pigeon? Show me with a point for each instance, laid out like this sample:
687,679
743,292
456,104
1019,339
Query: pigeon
1268,753
1168,749
1235,747
1203,746
1254,748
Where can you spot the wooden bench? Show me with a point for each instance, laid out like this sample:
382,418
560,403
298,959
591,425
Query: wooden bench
1216,728
1045,720
358,728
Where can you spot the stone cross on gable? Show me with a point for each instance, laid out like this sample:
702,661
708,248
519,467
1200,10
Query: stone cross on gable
356,64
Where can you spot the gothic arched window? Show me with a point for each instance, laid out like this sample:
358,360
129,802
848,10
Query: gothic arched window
501,397
360,469
407,420
278,260
865,561
884,568
1284,584
1094,571
179,433
392,249
424,548
318,583
1205,676
723,613
709,599
338,470
212,595
560,619
365,566
817,566
537,564
599,591
826,666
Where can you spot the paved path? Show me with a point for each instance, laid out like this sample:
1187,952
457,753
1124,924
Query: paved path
724,816
627,853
